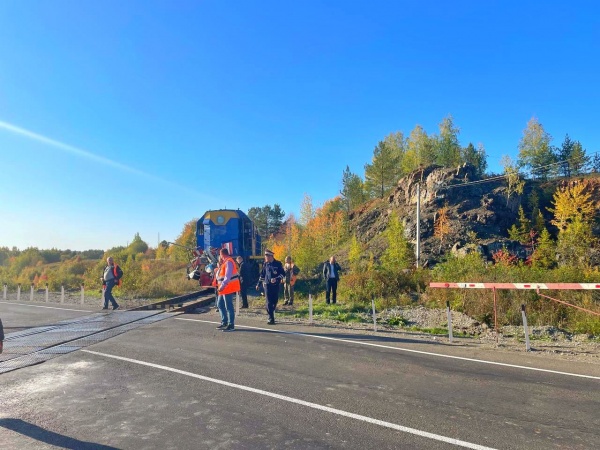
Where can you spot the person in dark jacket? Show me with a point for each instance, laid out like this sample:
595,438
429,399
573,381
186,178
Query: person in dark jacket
331,274
1,336
270,277
111,278
291,272
245,279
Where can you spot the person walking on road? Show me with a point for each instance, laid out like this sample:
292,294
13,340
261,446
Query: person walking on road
291,272
270,277
111,278
331,273
245,277
1,336
228,283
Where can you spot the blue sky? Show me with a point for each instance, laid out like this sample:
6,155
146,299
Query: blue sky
137,116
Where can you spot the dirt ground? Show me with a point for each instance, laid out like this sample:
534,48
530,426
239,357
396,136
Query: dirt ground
547,341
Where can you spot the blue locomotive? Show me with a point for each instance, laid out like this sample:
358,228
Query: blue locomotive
228,228
223,228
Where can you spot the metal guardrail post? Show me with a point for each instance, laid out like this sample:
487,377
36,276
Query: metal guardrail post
449,313
82,294
310,309
46,292
5,288
31,293
374,315
527,346
62,294
19,292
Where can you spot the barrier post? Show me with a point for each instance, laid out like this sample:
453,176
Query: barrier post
31,293
19,292
527,346
82,294
5,287
46,292
310,309
449,313
237,303
374,315
62,294
495,315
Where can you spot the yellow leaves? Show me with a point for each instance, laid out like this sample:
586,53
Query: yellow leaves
279,249
573,203
442,224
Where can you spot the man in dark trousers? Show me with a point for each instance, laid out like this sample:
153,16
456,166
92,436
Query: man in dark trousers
271,276
110,279
1,336
245,278
331,273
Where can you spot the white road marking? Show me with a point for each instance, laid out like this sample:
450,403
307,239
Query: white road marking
48,307
328,409
462,358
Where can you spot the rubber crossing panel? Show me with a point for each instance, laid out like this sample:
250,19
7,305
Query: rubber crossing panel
35,345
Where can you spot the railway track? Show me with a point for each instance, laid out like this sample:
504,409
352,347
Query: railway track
182,303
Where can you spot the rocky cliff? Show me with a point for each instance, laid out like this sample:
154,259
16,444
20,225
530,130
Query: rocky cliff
478,210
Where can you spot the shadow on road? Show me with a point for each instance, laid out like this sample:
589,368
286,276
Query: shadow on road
49,437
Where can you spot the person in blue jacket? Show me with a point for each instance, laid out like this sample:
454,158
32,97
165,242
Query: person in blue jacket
270,277
1,336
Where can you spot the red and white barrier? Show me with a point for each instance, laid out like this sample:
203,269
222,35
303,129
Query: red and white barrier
535,286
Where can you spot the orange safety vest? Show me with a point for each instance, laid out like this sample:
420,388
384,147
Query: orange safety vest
234,282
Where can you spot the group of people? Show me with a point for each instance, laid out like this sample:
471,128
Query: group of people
231,278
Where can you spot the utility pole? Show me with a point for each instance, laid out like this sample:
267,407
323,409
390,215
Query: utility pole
418,249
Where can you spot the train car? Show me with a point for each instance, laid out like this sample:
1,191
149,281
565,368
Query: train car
221,228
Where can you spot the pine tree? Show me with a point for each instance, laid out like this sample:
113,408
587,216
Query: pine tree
579,159
476,157
382,174
448,151
353,191
521,230
398,254
544,256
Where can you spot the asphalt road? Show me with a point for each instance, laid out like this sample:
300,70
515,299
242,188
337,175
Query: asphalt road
181,384
18,316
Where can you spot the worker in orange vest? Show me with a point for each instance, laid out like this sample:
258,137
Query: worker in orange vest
228,283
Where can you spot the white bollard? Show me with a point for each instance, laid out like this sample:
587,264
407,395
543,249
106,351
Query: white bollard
82,294
237,303
19,292
374,315
5,287
527,346
31,293
46,292
62,294
449,313
310,309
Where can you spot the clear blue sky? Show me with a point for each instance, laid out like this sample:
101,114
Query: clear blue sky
119,117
